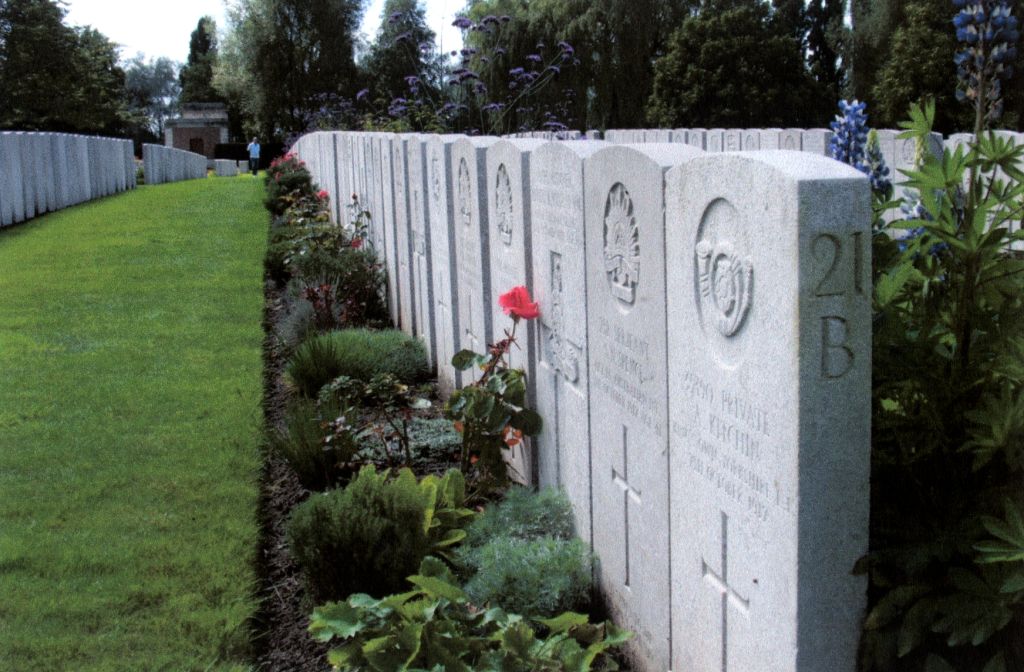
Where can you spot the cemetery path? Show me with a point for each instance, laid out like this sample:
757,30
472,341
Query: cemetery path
130,389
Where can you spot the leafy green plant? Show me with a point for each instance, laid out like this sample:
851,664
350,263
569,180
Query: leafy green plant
491,413
948,438
434,627
357,276
303,442
539,577
373,533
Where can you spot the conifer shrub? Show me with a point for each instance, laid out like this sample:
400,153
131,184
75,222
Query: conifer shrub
371,535
359,354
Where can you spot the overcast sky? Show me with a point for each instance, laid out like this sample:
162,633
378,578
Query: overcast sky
162,28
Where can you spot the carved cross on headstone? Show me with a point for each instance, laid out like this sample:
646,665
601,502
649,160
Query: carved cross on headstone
628,493
729,594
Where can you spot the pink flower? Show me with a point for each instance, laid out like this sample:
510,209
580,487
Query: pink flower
322,194
517,302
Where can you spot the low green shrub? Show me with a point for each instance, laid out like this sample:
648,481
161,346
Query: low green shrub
371,535
434,626
359,354
318,463
287,179
524,514
538,577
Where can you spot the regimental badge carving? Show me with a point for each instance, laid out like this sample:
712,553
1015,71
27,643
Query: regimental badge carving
789,142
563,355
621,245
465,196
503,197
726,284
435,184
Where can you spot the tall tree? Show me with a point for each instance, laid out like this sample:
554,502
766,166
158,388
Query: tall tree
920,65
616,43
874,22
285,54
196,77
826,38
56,78
153,92
403,48
730,65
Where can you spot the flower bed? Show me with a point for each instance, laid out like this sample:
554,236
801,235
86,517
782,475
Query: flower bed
378,486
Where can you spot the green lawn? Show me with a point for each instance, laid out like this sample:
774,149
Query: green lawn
130,383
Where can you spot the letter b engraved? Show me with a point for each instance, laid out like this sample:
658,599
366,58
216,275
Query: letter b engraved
836,355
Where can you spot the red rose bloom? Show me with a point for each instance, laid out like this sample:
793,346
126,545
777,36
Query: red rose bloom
322,194
356,243
518,303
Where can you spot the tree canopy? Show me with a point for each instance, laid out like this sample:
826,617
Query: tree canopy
54,77
196,77
730,66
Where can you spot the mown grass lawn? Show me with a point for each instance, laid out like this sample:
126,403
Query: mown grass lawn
130,383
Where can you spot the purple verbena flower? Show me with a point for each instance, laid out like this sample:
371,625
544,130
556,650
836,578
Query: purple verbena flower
462,23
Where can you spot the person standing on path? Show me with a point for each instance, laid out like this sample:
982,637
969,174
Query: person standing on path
254,156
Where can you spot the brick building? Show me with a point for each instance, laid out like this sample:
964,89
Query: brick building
199,129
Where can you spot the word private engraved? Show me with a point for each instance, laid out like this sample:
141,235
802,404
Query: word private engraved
621,245
503,193
726,284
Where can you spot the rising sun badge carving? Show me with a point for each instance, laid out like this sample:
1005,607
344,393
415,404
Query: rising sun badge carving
726,284
621,245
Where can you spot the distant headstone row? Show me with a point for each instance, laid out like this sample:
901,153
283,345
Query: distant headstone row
702,363
226,168
165,164
44,172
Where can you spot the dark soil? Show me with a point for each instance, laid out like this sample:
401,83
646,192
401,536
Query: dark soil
282,642
281,639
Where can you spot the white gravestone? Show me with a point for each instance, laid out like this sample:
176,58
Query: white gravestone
421,267
696,137
388,226
751,140
441,201
510,263
769,351
771,138
715,140
12,198
625,220
791,139
559,286
472,245
815,141
732,140
403,235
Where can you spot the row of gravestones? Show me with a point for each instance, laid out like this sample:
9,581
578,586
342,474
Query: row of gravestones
162,164
900,154
44,172
702,364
